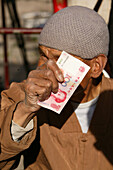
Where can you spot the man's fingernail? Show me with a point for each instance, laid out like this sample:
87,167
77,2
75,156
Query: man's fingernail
61,78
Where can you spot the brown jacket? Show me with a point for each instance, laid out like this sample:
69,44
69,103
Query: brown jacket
57,142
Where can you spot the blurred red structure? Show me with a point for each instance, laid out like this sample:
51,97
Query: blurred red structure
57,5
20,30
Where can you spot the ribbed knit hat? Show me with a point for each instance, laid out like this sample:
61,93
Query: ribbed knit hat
77,30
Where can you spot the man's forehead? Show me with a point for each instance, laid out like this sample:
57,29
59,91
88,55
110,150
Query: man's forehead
53,51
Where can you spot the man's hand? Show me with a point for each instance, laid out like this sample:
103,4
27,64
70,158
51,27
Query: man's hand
41,82
38,86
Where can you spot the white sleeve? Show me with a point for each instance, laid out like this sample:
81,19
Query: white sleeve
18,131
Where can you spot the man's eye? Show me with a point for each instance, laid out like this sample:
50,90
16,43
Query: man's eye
44,57
42,54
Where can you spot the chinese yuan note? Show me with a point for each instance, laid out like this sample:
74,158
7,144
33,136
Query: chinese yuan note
74,71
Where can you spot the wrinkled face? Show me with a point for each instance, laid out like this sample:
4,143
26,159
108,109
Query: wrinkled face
49,53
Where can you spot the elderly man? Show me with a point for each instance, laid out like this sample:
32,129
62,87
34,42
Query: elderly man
81,137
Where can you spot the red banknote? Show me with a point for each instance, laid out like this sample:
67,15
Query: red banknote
74,71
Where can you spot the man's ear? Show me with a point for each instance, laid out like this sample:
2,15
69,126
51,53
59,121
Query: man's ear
98,64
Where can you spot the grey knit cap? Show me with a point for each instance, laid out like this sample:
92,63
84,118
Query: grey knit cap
77,30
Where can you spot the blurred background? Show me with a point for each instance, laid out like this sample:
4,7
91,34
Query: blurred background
19,52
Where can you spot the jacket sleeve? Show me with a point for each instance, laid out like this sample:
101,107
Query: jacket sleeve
9,149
